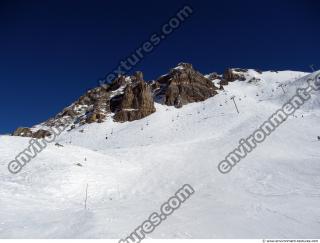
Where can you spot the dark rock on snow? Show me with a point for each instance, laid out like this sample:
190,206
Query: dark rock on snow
183,85
131,98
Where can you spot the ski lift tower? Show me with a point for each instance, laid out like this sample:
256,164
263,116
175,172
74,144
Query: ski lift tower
232,98
281,85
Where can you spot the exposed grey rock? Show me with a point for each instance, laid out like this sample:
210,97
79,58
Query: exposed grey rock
183,85
136,102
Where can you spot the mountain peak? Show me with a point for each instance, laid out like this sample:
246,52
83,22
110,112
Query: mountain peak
130,98
183,65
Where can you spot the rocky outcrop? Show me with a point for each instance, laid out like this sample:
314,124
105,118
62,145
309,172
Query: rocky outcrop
117,83
213,76
131,98
135,103
233,74
27,132
95,117
41,134
183,85
23,132
91,107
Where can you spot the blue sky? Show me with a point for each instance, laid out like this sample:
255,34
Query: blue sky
51,52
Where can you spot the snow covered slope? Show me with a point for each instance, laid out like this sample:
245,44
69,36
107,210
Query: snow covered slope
131,168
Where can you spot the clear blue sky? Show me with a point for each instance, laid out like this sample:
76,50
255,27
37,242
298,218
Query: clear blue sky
51,52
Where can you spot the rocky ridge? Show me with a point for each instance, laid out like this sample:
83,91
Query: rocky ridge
130,98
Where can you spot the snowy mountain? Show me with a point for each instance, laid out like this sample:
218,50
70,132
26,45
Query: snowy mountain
132,144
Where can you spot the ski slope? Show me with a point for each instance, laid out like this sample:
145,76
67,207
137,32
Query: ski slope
273,193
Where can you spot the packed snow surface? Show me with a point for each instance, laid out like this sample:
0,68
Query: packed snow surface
132,168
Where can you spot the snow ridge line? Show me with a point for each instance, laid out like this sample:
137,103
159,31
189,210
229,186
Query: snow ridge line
274,121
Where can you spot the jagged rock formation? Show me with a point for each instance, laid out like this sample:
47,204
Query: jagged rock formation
41,133
27,132
23,132
213,76
232,74
135,103
130,98
91,107
183,85
117,83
